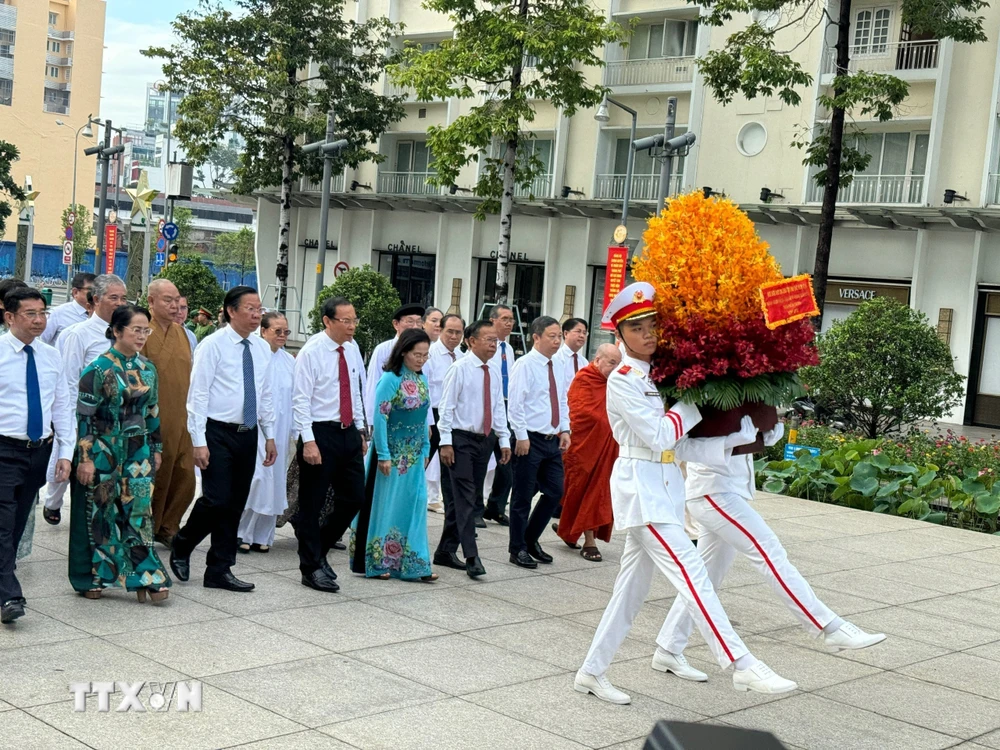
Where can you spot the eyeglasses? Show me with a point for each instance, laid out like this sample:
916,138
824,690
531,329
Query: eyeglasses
140,331
281,331
490,340
252,310
34,314
348,321
418,356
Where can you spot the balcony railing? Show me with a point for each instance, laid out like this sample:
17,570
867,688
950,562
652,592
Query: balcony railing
336,185
649,72
876,189
882,58
406,183
60,61
645,187
61,35
993,190
59,85
541,187
8,17
55,108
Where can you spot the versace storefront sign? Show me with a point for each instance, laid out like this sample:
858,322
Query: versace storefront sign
852,293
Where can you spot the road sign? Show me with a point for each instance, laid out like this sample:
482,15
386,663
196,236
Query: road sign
161,259
161,244
340,268
792,450
71,218
69,233
160,224
170,231
68,253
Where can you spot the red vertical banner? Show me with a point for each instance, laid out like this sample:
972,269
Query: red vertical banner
614,277
110,245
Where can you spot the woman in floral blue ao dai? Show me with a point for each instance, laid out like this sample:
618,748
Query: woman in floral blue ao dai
396,543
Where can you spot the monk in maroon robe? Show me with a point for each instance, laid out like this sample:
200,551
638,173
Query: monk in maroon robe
592,453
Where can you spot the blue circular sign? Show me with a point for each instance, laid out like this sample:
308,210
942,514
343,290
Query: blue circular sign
171,231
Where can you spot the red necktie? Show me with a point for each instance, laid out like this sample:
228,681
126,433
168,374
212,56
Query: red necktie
346,402
452,355
576,363
487,402
553,397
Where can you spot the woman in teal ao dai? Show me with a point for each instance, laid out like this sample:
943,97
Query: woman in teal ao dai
395,531
118,452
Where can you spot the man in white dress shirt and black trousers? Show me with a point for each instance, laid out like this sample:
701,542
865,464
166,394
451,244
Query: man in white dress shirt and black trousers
539,419
68,313
329,416
472,421
443,354
33,399
229,400
502,317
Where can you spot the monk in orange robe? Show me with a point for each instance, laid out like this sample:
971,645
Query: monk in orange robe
592,453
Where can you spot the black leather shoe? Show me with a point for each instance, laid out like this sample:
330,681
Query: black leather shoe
325,567
474,567
51,516
320,581
536,551
523,560
492,514
339,545
11,610
229,582
480,523
449,560
181,566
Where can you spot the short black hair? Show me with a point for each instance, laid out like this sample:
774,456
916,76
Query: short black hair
331,305
233,297
7,284
449,316
572,323
82,279
496,309
122,316
13,299
407,340
539,324
476,326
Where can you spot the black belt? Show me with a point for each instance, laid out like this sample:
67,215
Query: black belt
542,435
471,435
21,443
232,427
338,425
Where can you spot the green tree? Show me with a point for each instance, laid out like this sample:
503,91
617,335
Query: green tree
8,155
269,71
374,299
885,367
516,52
236,250
195,281
184,219
751,64
220,165
83,231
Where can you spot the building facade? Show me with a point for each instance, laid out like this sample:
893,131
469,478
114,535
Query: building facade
920,224
50,81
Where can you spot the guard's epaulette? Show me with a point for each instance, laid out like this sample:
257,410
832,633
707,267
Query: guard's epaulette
625,369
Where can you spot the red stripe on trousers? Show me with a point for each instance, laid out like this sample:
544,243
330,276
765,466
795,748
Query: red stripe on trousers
694,593
763,554
676,421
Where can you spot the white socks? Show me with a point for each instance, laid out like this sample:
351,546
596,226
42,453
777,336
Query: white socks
747,661
835,625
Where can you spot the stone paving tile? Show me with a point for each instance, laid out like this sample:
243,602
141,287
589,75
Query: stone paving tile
991,740
907,544
820,724
547,594
987,555
324,689
991,594
28,733
857,523
308,739
988,651
842,603
220,646
882,591
962,671
602,576
645,626
816,558
455,609
961,607
790,532
272,594
456,664
939,579
36,628
224,720
924,627
450,723
922,703
553,705
894,652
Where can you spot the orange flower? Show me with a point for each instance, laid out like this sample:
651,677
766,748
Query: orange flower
704,258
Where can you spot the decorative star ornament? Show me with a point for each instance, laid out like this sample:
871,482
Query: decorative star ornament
28,204
142,197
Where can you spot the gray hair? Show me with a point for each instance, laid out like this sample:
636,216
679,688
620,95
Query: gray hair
104,282
430,311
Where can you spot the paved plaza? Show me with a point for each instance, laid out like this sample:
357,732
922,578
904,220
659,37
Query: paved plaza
489,664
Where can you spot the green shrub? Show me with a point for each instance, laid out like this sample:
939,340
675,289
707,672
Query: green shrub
374,299
195,281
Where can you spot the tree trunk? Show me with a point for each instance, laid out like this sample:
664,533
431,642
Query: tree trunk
833,160
509,178
134,270
284,225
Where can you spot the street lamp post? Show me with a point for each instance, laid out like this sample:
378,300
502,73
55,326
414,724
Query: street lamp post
603,116
328,148
89,133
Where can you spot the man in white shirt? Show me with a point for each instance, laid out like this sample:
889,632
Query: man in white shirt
34,399
79,345
502,317
472,420
229,400
405,316
70,312
329,416
574,334
539,420
443,354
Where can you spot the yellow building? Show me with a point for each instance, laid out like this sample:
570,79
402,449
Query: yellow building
51,53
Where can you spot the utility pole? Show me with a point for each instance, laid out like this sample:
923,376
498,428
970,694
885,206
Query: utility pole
670,146
329,148
105,153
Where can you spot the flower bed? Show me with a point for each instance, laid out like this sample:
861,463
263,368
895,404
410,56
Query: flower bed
941,479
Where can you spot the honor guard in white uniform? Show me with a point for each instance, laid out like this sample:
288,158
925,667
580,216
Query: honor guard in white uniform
718,499
647,493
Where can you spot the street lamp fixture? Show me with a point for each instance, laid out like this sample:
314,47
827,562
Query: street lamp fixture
456,189
567,192
950,196
767,195
603,115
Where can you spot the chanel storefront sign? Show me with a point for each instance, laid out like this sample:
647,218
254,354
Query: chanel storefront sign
852,293
401,248
314,245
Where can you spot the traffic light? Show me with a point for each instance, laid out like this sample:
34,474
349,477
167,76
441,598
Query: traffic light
172,254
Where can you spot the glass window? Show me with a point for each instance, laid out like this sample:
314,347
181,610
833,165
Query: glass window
6,91
639,44
404,156
540,148
673,44
53,19
656,45
895,151
920,143
880,30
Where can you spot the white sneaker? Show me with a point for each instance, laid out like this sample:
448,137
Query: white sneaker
435,507
760,678
850,636
664,661
601,687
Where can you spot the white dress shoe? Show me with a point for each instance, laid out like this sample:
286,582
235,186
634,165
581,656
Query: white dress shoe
760,678
664,661
850,636
601,687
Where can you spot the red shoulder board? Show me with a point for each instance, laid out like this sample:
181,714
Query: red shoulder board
625,369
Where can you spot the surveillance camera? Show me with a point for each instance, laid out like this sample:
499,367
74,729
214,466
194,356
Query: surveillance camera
681,141
644,144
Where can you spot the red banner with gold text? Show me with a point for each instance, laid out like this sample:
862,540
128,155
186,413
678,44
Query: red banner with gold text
788,300
614,278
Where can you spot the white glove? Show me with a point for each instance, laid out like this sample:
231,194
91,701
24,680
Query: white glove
773,436
746,435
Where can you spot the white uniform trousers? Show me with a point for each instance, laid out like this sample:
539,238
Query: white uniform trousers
663,546
729,525
53,492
